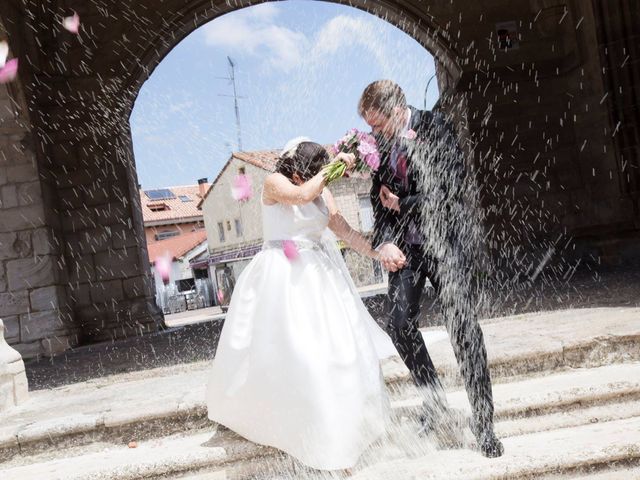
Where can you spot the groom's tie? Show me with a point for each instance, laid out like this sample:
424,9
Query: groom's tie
400,162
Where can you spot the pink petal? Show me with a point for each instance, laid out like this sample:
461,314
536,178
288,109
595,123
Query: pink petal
290,249
9,72
220,296
241,189
72,23
163,267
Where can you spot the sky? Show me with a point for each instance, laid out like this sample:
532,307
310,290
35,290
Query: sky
300,68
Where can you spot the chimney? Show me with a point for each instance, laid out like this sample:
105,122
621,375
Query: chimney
202,184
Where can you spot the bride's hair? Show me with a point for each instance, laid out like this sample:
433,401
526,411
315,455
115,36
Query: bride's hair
306,160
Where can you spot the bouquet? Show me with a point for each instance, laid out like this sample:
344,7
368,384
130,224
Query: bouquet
363,146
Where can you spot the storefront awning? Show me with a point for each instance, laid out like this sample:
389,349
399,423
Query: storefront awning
238,254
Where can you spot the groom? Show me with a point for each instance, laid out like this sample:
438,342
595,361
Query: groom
404,134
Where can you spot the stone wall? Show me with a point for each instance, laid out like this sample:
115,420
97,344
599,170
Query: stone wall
33,299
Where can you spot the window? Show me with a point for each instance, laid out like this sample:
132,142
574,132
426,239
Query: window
238,227
160,194
185,198
228,225
158,207
241,171
185,285
366,213
167,234
221,231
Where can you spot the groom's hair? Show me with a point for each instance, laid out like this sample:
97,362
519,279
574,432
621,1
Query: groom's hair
306,160
381,96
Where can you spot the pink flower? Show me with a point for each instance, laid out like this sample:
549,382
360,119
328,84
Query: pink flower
410,134
9,72
365,149
163,267
72,23
290,249
373,160
241,189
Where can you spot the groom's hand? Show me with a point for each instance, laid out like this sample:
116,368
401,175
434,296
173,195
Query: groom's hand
391,257
389,199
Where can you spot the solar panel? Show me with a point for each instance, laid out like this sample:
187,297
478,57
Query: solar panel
185,198
160,194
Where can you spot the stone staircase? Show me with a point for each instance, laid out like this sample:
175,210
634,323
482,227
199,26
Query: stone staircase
566,389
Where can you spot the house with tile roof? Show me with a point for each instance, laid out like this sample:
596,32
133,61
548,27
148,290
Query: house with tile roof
174,228
234,227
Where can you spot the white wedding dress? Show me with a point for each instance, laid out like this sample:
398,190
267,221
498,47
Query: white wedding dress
297,365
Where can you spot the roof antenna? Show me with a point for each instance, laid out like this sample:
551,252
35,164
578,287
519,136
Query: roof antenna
232,78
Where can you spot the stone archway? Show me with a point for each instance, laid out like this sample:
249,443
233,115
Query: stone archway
537,107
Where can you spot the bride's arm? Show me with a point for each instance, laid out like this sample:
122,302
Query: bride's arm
343,230
279,189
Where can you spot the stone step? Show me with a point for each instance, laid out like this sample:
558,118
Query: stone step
559,392
530,405
537,343
573,452
160,402
612,473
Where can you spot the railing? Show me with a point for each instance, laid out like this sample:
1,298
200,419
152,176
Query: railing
170,300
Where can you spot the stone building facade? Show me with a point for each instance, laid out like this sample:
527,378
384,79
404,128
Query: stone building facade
545,92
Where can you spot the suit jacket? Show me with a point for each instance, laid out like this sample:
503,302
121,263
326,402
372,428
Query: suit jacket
435,135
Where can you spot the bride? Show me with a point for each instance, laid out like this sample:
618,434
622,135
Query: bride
297,364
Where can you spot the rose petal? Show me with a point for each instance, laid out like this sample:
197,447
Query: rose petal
163,267
241,189
290,249
9,72
72,23
4,53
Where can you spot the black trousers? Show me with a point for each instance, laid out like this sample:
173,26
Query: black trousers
456,295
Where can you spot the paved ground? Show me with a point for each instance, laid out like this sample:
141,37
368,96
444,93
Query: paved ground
194,316
193,335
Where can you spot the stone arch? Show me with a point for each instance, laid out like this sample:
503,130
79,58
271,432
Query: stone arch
524,106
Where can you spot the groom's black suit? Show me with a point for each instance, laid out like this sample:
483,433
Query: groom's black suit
402,177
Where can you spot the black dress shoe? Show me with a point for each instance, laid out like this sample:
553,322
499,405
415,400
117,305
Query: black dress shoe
490,446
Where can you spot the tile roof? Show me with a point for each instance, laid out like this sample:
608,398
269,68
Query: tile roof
178,210
176,246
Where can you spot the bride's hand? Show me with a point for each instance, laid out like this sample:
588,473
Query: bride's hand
349,159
